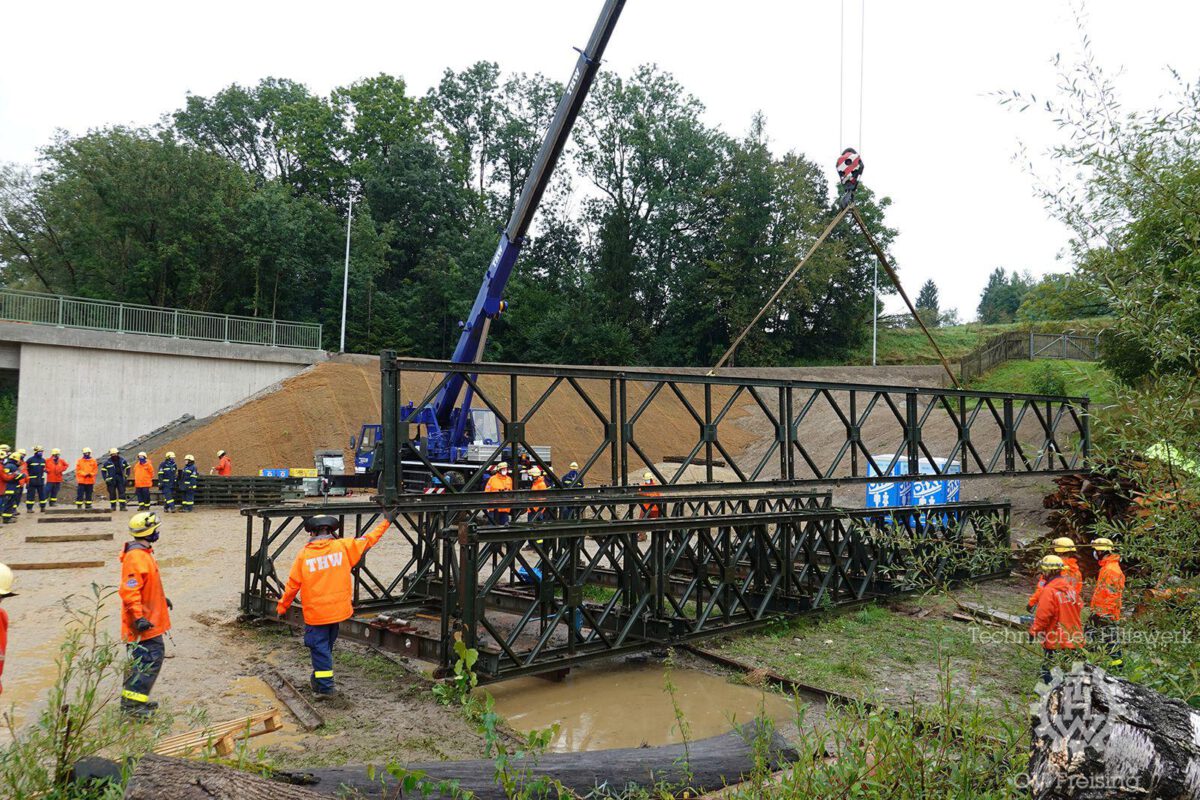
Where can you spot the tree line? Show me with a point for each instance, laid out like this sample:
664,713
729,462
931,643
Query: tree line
659,239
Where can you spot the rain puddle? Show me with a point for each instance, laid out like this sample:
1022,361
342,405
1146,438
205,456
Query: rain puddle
627,705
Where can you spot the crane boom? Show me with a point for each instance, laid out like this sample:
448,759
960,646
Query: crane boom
488,302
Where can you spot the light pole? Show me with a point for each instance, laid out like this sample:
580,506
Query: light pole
346,272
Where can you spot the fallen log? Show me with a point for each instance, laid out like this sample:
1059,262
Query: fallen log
1098,736
713,763
165,778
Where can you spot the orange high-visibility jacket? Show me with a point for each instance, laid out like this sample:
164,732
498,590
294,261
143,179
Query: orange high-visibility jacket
1056,622
55,467
85,471
142,593
499,483
539,485
23,473
321,574
651,510
224,466
143,474
1073,574
1110,587
1037,593
3,643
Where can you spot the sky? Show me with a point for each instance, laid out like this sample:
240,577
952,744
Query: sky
933,138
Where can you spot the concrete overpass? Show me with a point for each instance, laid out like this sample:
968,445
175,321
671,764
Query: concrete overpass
81,387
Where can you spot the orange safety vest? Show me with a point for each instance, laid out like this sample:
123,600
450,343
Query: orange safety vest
1056,622
143,474
224,466
141,593
651,510
539,485
85,471
23,473
321,575
55,467
499,483
1110,587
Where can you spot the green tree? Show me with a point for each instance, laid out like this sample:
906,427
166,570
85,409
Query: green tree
1061,297
927,303
1002,296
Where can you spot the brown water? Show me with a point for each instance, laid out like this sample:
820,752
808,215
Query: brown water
627,705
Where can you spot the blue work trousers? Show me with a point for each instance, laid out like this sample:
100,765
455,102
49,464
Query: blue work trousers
319,640
145,661
83,495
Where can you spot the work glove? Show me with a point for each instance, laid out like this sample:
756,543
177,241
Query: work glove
141,625
280,610
170,605
1026,619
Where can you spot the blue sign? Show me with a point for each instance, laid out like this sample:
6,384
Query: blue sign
889,494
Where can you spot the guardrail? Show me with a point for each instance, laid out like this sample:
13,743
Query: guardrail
1027,345
105,315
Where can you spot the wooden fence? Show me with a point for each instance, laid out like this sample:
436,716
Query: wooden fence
1028,345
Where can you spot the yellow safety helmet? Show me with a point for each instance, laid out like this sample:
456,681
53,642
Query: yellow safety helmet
535,471
4,447
189,457
502,465
573,465
647,476
144,524
6,581
37,448
170,454
1064,544
20,451
1103,545
87,451
142,454
220,453
1052,563
112,451
55,452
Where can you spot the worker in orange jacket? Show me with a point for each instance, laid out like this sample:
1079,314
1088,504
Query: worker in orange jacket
22,477
143,479
321,575
649,510
10,474
56,465
499,482
224,467
1056,623
1063,546
539,485
1106,600
6,584
145,615
86,469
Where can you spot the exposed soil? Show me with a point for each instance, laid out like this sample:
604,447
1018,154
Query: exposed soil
213,662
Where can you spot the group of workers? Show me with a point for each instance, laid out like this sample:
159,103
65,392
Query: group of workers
321,575
1057,603
39,479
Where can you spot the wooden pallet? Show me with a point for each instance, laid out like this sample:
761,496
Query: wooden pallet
222,738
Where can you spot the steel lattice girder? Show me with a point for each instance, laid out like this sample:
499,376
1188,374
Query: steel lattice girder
544,595
987,433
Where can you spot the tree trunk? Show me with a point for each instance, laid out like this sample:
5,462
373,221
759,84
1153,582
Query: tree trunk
1098,737
163,778
712,763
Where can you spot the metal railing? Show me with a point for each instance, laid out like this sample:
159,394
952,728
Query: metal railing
105,315
1027,345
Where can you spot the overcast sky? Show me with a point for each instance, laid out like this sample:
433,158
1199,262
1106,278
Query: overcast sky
932,138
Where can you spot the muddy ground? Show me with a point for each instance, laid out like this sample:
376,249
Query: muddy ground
213,662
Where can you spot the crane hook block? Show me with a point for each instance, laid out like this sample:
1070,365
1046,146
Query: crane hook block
849,169
494,308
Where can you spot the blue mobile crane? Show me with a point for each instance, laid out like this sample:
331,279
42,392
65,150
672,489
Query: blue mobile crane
457,435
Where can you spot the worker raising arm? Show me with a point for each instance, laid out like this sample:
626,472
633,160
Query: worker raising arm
321,575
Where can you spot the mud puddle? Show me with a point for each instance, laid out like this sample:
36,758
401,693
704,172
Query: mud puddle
627,705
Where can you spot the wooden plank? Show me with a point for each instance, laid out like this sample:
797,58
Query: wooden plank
58,565
79,510
301,709
70,537
80,518
992,615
